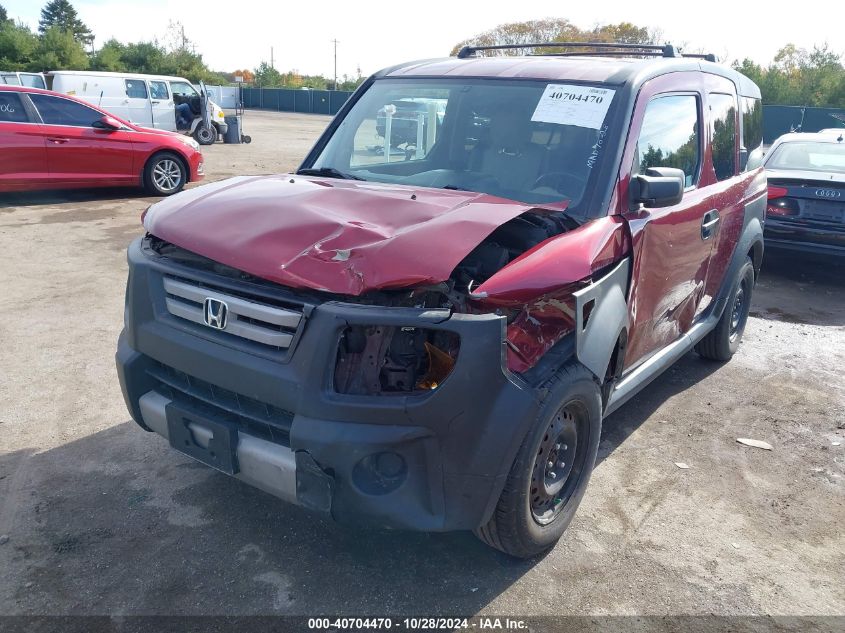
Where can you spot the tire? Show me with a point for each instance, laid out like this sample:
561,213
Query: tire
721,343
165,174
205,135
246,139
530,517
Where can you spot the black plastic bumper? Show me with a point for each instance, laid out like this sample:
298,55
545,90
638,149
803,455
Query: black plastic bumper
457,441
805,238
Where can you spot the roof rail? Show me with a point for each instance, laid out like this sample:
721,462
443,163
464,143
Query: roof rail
611,49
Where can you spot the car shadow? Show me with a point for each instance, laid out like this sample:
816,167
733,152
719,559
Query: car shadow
124,523
684,374
60,196
802,289
118,522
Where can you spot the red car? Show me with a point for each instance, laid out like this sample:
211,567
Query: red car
428,337
52,141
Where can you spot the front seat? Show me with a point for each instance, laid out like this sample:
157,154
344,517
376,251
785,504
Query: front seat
507,155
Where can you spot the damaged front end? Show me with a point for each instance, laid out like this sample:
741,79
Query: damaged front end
536,271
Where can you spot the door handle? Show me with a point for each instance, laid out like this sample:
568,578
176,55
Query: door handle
709,223
155,102
57,141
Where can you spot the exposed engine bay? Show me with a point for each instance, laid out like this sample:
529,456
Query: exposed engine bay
391,360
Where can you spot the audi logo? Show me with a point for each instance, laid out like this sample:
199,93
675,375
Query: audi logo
828,193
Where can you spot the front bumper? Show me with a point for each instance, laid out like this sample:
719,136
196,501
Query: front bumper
457,441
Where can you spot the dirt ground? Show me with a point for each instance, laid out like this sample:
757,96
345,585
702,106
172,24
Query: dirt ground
98,517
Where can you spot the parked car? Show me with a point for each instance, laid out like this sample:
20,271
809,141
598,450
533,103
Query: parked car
806,201
146,100
431,342
52,141
32,80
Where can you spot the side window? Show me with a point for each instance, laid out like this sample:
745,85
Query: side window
752,131
11,108
136,89
670,136
158,90
723,134
58,111
182,89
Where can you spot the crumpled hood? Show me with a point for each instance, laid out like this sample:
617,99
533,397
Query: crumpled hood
340,236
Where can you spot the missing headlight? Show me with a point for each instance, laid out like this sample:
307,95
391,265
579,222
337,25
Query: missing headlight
385,360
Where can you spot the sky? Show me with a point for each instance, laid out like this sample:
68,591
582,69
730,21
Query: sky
237,34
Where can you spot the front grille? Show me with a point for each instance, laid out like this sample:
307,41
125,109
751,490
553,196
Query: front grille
257,418
245,318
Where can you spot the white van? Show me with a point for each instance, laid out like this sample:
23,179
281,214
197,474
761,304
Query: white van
30,80
147,100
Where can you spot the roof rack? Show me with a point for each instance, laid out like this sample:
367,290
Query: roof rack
613,49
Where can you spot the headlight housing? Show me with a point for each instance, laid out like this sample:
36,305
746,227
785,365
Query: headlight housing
187,140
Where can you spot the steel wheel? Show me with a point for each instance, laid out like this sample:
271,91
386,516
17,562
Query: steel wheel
167,175
738,312
559,463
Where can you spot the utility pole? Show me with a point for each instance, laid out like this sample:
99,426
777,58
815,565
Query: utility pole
272,65
334,85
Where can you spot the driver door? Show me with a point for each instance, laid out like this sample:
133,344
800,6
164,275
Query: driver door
671,248
77,152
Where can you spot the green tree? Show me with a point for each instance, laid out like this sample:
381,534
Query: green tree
110,57
17,46
4,17
58,50
61,14
267,77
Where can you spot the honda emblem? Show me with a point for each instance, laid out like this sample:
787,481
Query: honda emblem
215,313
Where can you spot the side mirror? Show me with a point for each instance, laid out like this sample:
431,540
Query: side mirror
659,187
108,123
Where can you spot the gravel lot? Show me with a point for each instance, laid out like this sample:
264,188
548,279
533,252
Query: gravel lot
98,517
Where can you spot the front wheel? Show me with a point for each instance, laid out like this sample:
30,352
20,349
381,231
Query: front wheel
165,174
205,134
552,468
721,343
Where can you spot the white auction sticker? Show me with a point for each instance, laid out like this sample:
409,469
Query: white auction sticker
583,106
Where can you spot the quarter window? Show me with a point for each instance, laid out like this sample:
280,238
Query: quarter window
670,136
136,89
11,108
723,135
752,131
158,89
58,111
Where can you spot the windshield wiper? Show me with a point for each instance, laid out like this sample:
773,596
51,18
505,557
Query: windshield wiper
454,188
328,172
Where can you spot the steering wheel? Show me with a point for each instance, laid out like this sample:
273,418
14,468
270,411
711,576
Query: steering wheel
560,178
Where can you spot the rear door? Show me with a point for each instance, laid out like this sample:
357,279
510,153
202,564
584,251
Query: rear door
671,247
138,102
77,152
23,155
164,114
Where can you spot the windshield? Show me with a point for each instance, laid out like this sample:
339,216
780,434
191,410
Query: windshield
808,156
532,141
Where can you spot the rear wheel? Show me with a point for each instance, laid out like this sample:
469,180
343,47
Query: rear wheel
165,174
205,134
721,343
550,473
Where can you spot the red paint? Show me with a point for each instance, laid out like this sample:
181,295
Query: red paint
38,156
540,284
342,236
675,274
538,327
557,262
